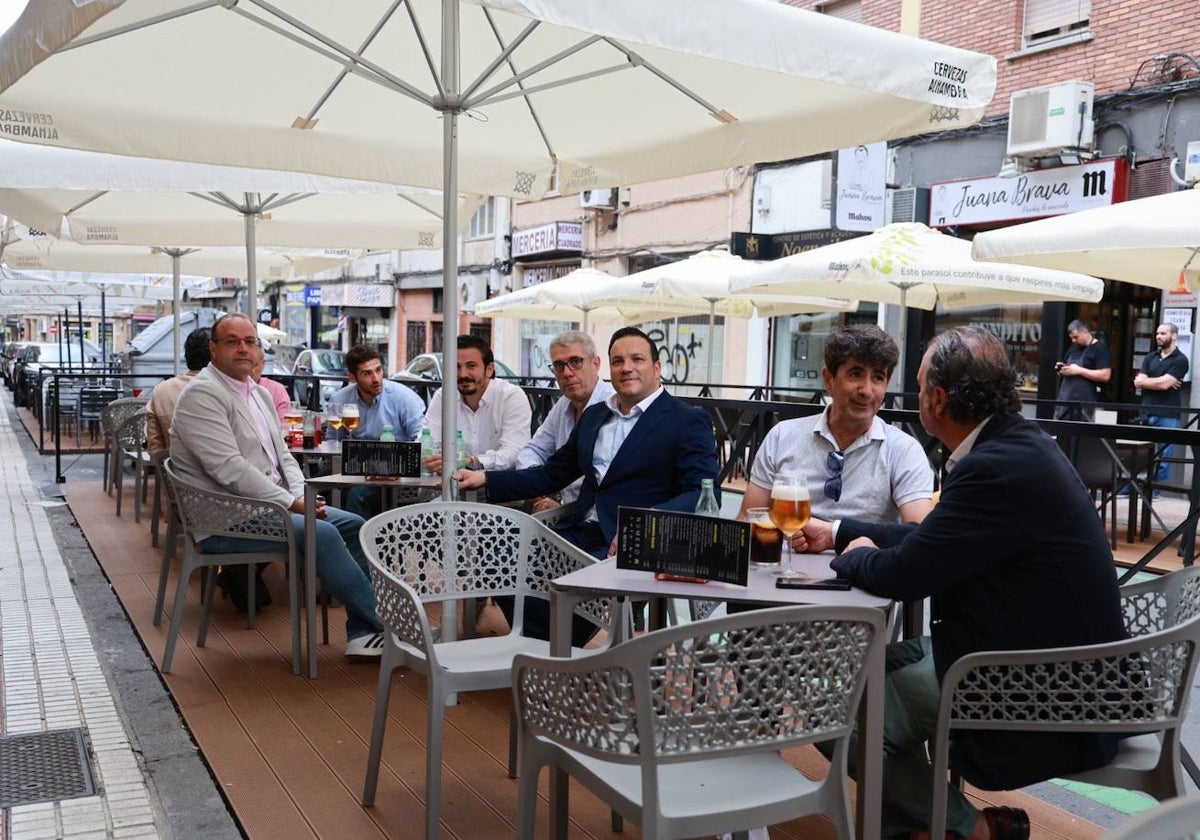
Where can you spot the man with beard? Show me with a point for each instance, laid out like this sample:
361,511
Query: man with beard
1159,381
494,416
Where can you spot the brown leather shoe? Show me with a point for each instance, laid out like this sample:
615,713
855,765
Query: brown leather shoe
1007,823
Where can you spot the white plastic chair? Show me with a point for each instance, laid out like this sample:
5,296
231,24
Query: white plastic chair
680,730
1178,819
129,443
448,551
204,513
1138,685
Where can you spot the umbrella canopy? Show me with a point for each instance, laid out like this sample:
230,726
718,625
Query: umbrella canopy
700,285
909,264
1149,241
376,89
560,299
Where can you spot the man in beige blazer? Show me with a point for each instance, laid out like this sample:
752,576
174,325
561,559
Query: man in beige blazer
225,435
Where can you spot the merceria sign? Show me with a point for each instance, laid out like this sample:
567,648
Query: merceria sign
1030,195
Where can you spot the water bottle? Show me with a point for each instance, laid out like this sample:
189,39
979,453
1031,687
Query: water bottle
461,451
426,451
388,434
707,505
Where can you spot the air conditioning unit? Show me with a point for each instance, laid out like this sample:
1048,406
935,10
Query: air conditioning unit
906,204
605,199
1045,120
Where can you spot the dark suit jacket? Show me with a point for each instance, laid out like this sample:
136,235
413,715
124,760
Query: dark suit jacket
668,452
1014,557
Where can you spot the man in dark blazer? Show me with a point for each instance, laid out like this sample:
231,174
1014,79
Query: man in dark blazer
639,448
1014,557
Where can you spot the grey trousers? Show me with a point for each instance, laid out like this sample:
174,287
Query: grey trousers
910,705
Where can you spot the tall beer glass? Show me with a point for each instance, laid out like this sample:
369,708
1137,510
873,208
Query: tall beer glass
350,417
790,511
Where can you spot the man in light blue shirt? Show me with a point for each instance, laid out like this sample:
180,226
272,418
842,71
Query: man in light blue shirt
576,366
381,402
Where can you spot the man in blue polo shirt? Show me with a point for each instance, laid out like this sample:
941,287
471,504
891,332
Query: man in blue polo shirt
381,402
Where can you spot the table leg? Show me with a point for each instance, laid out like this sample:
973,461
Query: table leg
562,605
868,809
310,577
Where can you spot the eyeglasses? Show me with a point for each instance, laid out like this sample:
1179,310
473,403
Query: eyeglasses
575,363
234,343
835,461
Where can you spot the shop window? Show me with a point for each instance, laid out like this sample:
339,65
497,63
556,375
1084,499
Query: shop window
414,340
850,10
483,223
1047,21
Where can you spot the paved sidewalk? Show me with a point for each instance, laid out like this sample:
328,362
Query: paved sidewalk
59,673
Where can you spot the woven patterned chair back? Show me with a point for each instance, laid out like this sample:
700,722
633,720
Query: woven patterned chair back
441,551
209,513
766,679
1163,602
116,412
131,433
1137,685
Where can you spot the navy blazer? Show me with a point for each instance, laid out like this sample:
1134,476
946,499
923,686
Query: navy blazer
668,452
1014,557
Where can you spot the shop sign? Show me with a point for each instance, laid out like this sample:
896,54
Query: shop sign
861,184
772,246
1030,195
367,294
556,236
533,274
312,295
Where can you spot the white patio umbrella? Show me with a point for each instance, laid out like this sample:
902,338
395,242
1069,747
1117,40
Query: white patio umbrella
909,264
370,90
700,285
560,299
1149,241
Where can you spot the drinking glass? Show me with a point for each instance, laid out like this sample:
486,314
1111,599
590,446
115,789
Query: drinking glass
293,418
766,543
790,511
335,422
350,416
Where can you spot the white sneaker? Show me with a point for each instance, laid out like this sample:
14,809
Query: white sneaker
368,648
759,833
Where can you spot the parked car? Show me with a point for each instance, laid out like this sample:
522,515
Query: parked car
283,360
51,356
427,367
328,364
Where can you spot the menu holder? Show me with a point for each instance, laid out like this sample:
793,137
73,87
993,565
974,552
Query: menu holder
393,459
683,544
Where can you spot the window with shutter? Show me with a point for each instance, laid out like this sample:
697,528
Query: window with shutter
1048,20
483,223
850,10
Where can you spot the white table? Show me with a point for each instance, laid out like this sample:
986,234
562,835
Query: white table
605,578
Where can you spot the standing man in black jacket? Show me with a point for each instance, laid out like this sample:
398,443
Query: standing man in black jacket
1014,557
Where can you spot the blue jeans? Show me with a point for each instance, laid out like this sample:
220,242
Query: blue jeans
364,501
1165,449
341,564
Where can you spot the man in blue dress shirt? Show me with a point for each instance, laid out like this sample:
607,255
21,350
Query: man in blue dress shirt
381,402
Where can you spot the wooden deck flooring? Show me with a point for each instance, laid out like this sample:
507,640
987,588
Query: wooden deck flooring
289,753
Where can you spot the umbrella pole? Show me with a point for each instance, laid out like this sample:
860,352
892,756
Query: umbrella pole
903,333
251,266
175,303
103,330
79,312
712,324
450,45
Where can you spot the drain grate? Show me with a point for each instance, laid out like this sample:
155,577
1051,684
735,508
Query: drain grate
44,767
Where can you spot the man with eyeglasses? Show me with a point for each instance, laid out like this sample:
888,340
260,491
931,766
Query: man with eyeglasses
225,436
576,366
857,466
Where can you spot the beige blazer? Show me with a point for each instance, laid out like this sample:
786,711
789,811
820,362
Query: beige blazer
214,443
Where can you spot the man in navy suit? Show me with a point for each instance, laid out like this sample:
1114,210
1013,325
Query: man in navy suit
1014,557
639,448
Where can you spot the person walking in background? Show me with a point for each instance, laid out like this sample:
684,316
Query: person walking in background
381,404
1086,366
1159,381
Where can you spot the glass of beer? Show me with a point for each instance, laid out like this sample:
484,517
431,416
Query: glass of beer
334,415
790,511
350,416
766,543
293,418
